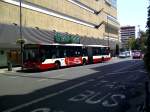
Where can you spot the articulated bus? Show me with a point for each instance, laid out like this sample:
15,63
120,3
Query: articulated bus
42,57
98,53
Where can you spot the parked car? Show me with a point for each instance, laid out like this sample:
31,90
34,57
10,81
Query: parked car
125,54
128,53
122,55
136,54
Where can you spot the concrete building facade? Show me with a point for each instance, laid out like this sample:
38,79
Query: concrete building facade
126,33
94,22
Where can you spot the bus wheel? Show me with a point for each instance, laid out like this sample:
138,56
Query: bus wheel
84,62
57,64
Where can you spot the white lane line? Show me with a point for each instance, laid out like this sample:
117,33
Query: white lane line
40,80
45,97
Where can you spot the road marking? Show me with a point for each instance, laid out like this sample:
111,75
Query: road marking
45,97
42,110
91,101
115,102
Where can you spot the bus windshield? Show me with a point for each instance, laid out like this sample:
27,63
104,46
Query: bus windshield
31,54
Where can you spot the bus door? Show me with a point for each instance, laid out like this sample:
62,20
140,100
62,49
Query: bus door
90,54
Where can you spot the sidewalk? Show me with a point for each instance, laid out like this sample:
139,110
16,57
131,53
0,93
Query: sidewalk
14,69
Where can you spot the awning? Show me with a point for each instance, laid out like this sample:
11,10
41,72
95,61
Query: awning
10,33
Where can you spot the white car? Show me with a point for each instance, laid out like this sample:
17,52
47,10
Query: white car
128,53
123,55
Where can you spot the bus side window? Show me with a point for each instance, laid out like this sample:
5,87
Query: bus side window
65,54
62,52
102,51
53,53
84,52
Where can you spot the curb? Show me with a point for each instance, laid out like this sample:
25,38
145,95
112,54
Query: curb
5,70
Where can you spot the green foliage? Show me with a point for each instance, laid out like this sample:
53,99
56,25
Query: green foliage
132,43
147,53
138,43
142,40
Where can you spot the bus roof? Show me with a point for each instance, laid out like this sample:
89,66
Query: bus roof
73,44
57,44
96,46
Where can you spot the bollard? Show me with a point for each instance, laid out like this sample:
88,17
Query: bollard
9,66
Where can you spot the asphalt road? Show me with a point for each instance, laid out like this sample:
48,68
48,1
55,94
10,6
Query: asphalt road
113,87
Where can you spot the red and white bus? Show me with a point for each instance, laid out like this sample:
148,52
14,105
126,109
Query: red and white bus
37,56
41,56
98,53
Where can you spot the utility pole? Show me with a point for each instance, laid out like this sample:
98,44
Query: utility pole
108,30
21,39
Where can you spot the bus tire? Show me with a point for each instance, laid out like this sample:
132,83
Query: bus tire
57,64
84,62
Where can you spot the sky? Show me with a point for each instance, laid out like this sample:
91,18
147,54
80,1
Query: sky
133,12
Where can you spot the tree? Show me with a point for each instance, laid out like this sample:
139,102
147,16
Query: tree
147,53
142,40
138,43
132,43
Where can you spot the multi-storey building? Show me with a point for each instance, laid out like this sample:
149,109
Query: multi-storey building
91,21
126,33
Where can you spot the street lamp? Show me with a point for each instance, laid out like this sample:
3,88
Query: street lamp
108,30
20,40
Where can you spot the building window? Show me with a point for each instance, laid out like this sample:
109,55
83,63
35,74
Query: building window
111,29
